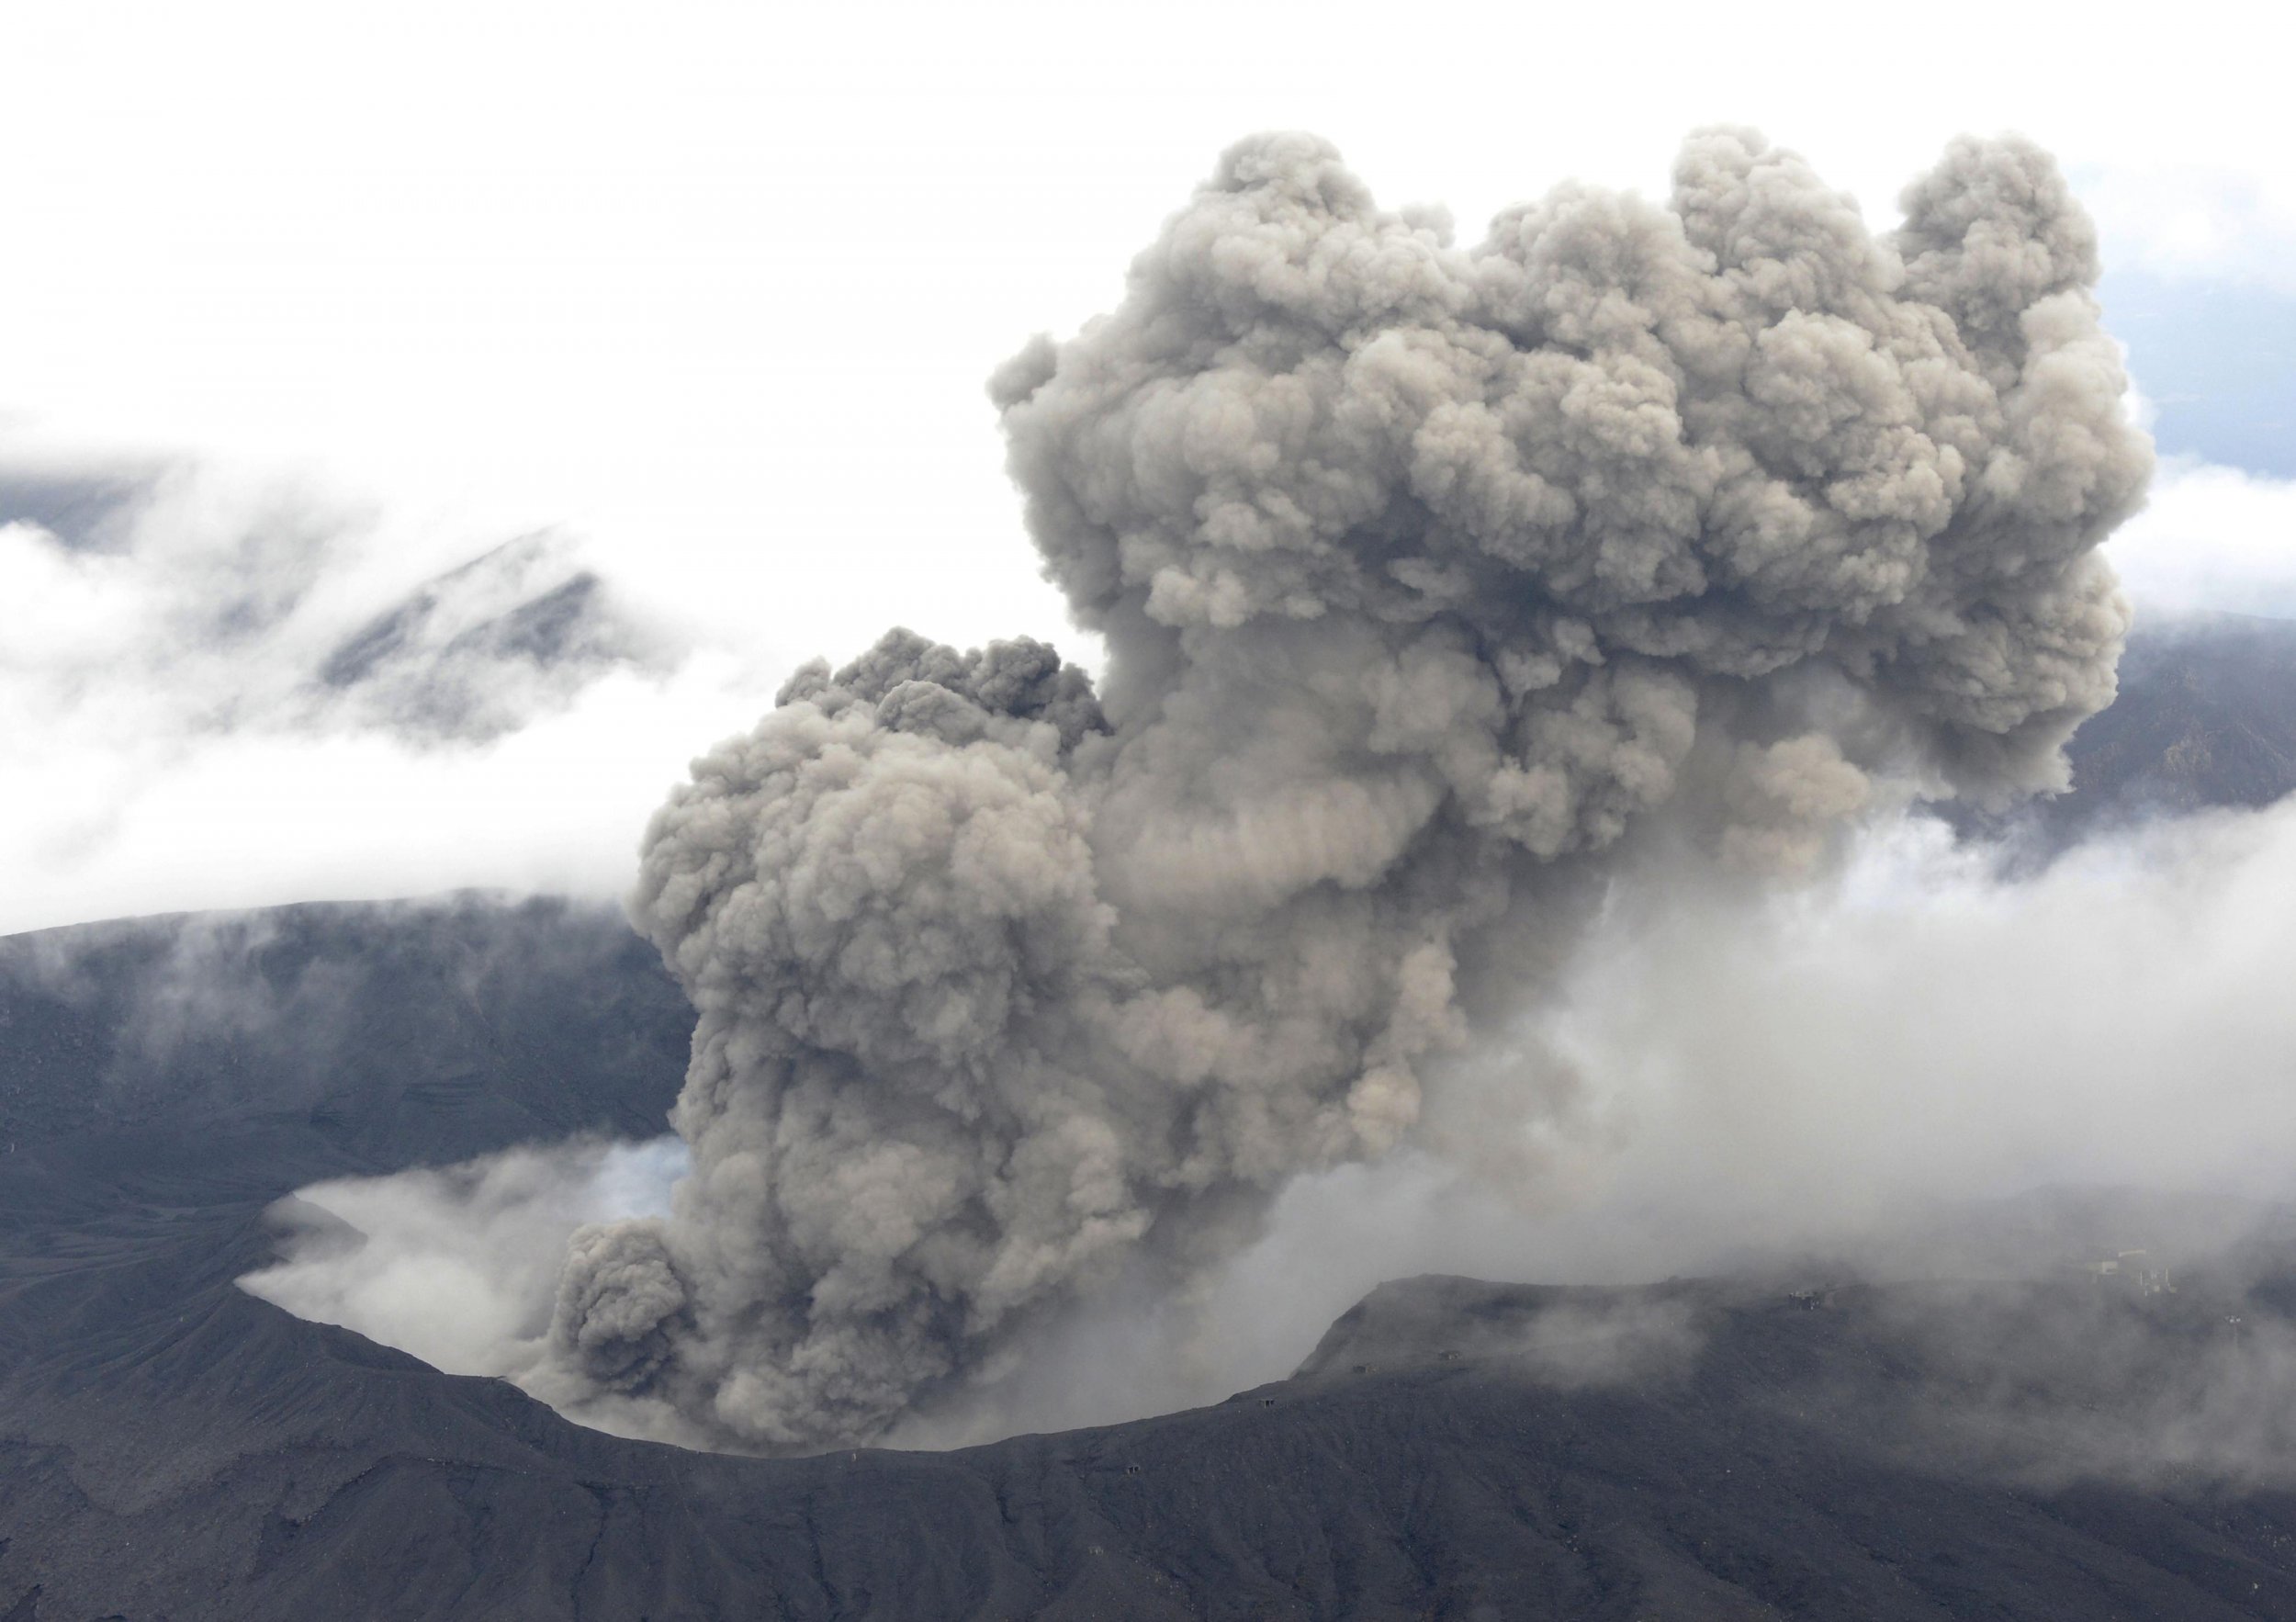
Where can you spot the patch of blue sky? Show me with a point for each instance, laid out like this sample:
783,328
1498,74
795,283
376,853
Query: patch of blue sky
2217,360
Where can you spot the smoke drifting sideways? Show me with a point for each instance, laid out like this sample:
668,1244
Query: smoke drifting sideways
441,1262
1425,575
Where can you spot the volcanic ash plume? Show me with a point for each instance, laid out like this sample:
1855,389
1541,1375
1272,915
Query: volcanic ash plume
1424,573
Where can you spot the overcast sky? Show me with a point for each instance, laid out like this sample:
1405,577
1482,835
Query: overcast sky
298,308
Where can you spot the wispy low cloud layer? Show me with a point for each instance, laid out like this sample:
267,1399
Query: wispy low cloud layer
257,600
452,1264
2075,1382
1809,1070
224,687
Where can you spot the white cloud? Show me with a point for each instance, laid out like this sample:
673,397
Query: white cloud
170,741
1723,1075
2211,538
716,288
2195,221
119,826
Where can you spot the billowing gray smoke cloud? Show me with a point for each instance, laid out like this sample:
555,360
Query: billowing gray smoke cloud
1424,573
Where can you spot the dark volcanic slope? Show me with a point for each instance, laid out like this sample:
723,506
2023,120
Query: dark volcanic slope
171,1448
2206,716
322,1040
